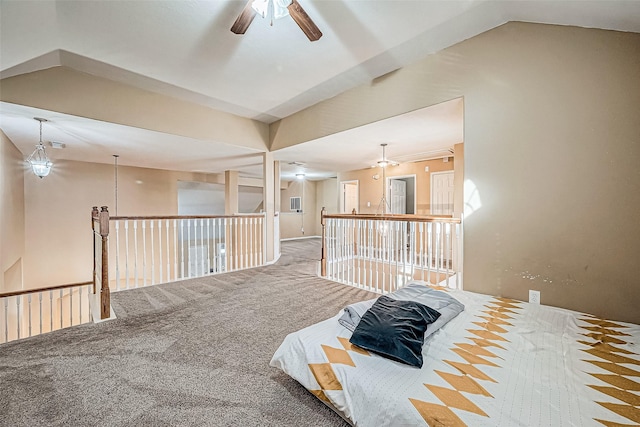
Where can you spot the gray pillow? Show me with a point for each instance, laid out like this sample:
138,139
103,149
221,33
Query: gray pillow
395,329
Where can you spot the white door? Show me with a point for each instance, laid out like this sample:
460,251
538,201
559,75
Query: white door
442,193
398,196
348,196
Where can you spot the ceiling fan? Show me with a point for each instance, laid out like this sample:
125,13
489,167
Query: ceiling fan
276,9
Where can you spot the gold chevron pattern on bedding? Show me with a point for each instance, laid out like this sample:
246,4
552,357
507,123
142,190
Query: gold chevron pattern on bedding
499,363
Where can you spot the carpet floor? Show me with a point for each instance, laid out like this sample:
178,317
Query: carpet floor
194,352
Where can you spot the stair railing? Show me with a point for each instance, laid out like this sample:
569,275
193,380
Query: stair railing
382,253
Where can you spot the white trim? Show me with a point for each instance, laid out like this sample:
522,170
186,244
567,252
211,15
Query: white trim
266,263
300,238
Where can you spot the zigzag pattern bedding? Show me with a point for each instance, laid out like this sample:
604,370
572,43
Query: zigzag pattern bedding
499,363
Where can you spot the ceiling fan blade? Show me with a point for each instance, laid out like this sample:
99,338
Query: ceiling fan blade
305,23
244,19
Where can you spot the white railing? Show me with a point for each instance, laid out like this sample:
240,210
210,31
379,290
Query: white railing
146,251
383,253
33,312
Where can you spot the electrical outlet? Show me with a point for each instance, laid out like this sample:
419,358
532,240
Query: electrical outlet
534,297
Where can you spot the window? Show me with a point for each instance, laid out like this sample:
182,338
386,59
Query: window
294,204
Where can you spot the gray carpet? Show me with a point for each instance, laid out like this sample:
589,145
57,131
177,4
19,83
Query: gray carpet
188,353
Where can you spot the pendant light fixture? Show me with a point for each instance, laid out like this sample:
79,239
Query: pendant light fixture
38,160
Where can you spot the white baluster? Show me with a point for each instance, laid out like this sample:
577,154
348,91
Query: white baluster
357,250
188,254
61,309
40,309
175,249
250,240
421,228
241,242
167,225
448,249
18,317
144,252
235,243
153,257
209,246
182,251
6,319
202,248
412,247
369,227
429,249
135,252
51,310
126,253
29,311
438,255
117,224
160,258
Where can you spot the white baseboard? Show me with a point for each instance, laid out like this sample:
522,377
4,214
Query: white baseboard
300,238
274,261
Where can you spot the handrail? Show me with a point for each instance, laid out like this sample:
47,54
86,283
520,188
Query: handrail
361,250
174,247
397,217
249,215
49,288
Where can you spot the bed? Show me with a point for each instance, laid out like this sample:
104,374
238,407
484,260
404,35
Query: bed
499,362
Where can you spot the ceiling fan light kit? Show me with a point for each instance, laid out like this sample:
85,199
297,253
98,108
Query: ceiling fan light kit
276,9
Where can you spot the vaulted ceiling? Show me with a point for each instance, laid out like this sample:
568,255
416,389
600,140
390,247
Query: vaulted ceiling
184,49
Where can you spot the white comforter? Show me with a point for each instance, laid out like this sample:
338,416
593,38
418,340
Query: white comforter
499,363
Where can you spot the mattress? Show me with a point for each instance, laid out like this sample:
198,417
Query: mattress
500,362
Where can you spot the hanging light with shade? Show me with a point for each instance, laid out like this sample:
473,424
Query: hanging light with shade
38,160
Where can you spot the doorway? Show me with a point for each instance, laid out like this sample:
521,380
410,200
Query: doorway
402,194
349,196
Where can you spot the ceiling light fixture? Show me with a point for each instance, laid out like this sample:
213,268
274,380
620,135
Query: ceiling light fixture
385,162
383,206
300,175
279,8
38,160
276,9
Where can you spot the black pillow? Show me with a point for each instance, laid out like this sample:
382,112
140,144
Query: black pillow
395,329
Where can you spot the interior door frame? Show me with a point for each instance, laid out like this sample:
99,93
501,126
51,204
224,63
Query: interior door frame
341,194
415,189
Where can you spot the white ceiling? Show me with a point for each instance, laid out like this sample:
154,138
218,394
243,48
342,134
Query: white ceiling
184,49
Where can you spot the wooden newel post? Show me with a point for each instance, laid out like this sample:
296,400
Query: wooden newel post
94,217
105,296
323,259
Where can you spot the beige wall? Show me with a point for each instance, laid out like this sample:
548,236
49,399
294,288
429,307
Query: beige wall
12,169
458,180
291,223
106,100
546,107
370,190
326,197
57,213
